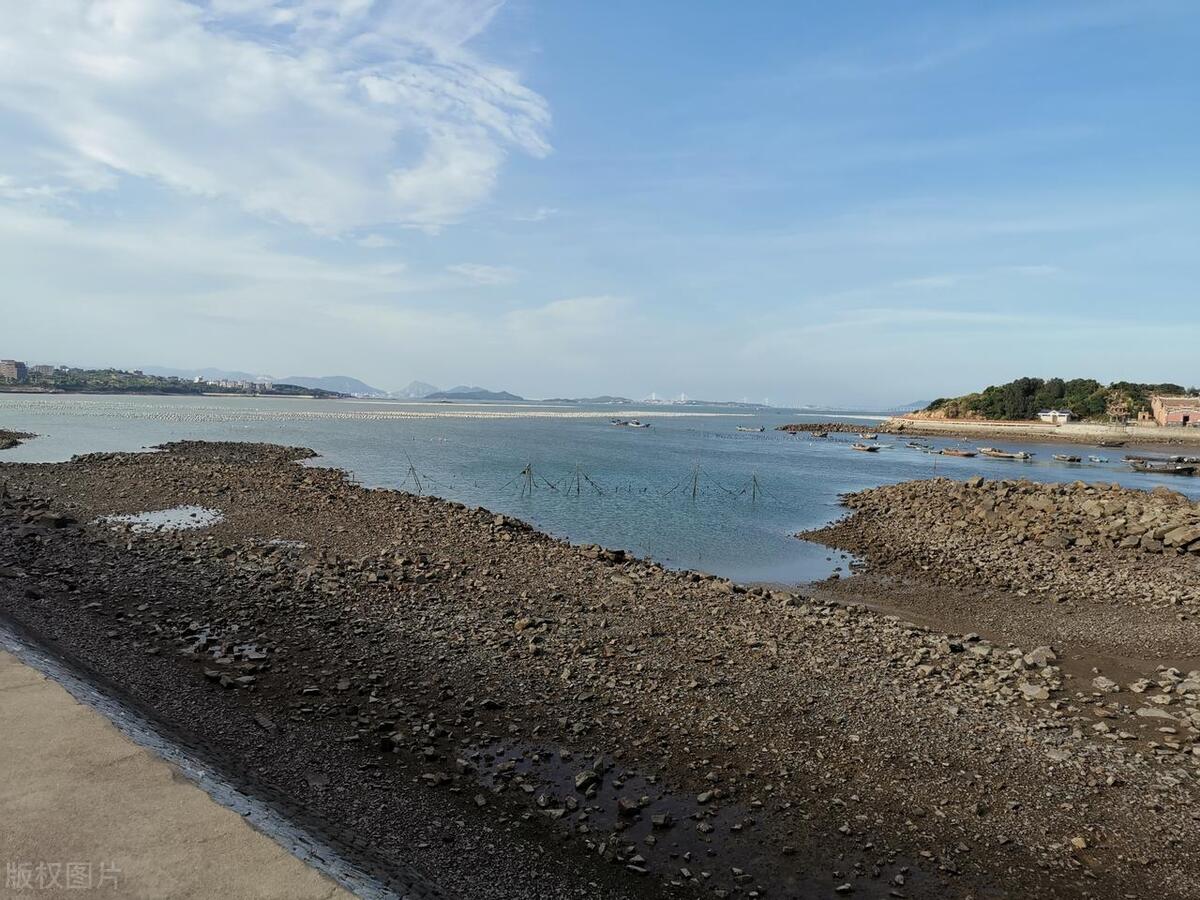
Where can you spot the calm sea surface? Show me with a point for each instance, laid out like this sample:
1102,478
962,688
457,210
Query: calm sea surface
690,491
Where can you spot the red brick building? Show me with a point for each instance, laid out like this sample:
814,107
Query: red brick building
1176,411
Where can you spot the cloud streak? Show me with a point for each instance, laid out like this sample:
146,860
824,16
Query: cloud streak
334,116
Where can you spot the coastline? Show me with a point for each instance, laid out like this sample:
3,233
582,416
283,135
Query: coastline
1078,433
411,661
10,439
108,392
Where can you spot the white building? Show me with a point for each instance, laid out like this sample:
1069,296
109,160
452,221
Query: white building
1055,416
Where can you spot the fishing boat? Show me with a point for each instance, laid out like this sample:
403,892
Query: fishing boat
629,423
1164,468
1186,460
868,435
820,434
995,453
865,448
956,451
1067,458
1098,459
1111,443
752,428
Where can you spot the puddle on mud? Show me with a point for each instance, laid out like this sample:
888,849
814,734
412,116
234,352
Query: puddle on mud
178,518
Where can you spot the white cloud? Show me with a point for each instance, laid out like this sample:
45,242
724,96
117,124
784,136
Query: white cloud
576,318
376,242
541,214
478,273
333,114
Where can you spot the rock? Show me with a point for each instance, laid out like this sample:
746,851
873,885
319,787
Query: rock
1040,657
1151,712
1033,691
1105,685
1183,536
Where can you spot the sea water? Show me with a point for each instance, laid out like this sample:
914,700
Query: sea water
690,491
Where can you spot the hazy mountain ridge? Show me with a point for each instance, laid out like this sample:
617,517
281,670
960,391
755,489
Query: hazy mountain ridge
463,392
414,390
343,384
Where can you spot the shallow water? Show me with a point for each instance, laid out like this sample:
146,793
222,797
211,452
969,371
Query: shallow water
178,518
690,491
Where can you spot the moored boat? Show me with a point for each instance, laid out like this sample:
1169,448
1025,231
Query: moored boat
868,435
865,448
1098,459
751,428
1164,468
996,453
629,423
1067,458
1186,460
957,451
820,434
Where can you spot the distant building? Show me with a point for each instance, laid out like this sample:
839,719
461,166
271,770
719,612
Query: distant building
13,370
1055,416
1178,412
42,371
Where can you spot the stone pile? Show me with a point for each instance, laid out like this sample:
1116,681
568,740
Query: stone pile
1077,541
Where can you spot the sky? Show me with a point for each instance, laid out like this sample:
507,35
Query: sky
854,204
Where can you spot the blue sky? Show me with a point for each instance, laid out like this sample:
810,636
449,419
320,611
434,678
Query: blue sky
862,203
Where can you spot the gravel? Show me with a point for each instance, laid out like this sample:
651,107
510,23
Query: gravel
515,716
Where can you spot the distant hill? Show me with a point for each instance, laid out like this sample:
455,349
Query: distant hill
416,390
604,398
463,392
907,407
342,384
209,374
1021,399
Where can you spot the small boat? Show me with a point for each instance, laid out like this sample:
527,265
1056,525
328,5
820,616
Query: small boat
1164,468
865,448
868,435
955,451
1098,459
820,434
1067,458
629,423
995,453
1186,460
752,428
1111,443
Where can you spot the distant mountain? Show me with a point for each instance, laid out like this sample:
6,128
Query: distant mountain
909,407
416,390
463,392
604,398
209,374
342,384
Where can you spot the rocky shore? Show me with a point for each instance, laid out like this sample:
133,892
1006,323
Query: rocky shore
1085,433
828,427
1067,543
471,704
10,439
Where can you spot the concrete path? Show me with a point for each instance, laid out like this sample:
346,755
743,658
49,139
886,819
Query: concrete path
84,812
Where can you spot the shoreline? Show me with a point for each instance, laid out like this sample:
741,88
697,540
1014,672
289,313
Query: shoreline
1077,433
600,714
10,439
